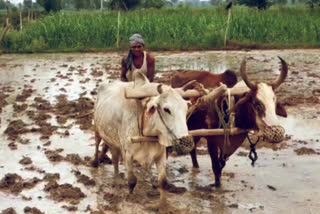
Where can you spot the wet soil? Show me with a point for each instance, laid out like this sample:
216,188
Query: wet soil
46,104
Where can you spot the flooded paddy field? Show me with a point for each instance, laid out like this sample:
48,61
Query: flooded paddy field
46,140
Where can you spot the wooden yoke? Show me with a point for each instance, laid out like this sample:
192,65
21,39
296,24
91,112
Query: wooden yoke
198,132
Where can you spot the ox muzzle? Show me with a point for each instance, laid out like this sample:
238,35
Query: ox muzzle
183,145
274,134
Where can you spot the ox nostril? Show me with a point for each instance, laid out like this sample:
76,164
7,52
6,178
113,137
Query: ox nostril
274,134
183,145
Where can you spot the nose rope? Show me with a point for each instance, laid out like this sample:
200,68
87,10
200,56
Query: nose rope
253,154
164,123
229,98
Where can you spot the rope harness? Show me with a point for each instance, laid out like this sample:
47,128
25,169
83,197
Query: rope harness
164,123
253,154
223,117
225,122
182,145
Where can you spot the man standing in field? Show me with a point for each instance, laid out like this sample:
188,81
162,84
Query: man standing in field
137,60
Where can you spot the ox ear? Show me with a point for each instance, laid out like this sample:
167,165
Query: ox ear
151,110
280,110
139,79
159,89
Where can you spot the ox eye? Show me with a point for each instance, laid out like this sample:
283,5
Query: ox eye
260,108
167,110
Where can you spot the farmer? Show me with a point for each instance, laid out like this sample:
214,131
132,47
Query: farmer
137,60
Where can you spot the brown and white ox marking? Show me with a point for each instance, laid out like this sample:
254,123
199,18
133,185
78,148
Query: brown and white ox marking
255,110
207,79
116,121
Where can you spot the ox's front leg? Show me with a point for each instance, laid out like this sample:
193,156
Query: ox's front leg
216,167
193,153
103,155
132,179
95,161
162,176
115,152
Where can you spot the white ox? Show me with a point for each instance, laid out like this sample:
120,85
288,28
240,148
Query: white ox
117,119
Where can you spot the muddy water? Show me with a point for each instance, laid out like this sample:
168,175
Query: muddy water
285,178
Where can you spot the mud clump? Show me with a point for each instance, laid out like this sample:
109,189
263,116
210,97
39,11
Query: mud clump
51,176
19,108
46,129
13,146
113,200
25,161
27,92
64,192
172,188
18,127
96,73
40,118
32,210
54,156
74,159
9,211
15,128
80,109
3,101
41,104
296,100
85,107
70,208
13,183
84,179
115,75
306,151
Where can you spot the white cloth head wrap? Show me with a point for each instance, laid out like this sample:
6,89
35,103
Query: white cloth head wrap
135,38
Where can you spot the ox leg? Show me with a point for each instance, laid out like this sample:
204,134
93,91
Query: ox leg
132,179
95,161
103,156
115,160
162,176
193,153
215,162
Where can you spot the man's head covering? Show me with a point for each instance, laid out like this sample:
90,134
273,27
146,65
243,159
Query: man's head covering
136,38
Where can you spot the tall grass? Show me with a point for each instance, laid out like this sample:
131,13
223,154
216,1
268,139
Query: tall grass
168,29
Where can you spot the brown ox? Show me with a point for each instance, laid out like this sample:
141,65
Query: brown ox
207,79
256,110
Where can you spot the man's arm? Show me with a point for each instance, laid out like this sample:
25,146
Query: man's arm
150,67
123,71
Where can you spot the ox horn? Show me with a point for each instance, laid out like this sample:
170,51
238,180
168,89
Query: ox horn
147,90
244,76
189,85
283,74
192,89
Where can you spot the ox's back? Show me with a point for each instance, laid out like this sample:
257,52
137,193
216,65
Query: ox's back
112,109
208,79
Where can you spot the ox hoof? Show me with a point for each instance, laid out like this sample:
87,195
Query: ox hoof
195,166
132,183
131,187
216,184
105,159
94,163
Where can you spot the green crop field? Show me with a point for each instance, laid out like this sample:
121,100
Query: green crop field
169,29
